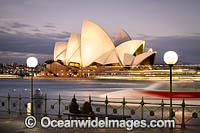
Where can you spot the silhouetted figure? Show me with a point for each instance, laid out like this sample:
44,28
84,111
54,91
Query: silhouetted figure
87,108
73,107
38,100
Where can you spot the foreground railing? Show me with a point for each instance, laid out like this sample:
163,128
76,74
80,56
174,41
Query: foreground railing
184,114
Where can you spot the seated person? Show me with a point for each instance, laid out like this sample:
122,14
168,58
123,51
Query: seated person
87,108
73,107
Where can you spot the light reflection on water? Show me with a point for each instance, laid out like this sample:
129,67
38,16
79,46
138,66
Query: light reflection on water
95,88
66,87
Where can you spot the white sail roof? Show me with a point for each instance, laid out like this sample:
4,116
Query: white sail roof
94,45
102,59
76,57
140,58
60,51
112,58
121,37
95,42
73,48
129,47
128,59
108,58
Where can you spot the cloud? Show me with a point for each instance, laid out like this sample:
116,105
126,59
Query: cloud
36,30
49,26
187,47
38,43
14,56
19,55
16,29
52,35
19,25
5,28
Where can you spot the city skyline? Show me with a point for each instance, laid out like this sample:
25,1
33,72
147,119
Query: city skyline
31,28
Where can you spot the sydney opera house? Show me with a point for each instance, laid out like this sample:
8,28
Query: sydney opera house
94,48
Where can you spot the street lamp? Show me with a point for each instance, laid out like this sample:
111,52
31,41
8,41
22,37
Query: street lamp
32,62
170,58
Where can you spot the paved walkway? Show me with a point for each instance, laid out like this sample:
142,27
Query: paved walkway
9,123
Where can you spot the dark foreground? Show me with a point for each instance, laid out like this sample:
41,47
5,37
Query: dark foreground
15,124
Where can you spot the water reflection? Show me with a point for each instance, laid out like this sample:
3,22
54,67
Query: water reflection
96,88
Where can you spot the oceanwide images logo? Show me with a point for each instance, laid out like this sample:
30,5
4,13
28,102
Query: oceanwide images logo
30,122
46,122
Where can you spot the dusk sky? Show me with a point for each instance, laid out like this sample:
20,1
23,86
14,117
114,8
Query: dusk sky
31,27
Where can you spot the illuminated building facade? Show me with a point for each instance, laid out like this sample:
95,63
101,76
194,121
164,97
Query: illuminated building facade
94,49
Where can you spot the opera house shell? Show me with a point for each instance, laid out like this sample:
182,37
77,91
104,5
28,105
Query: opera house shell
94,47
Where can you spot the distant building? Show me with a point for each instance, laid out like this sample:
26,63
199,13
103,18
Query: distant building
14,64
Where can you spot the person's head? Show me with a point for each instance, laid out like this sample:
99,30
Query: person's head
38,91
86,100
73,100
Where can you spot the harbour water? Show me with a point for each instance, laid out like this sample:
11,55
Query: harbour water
67,87
95,88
